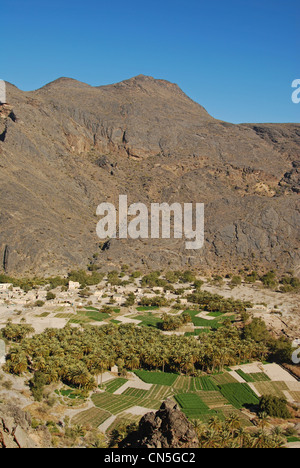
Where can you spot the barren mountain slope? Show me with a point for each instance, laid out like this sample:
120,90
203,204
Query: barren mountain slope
68,147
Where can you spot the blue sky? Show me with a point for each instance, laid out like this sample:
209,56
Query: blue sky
237,58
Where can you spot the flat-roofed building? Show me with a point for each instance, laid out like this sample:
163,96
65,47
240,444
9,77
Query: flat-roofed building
2,352
2,92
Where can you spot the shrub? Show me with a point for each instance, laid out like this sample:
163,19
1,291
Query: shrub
274,406
236,281
50,296
269,280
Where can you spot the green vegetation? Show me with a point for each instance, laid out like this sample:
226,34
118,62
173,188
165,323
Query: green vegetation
16,332
149,320
230,433
173,322
274,406
253,377
92,417
77,355
114,404
235,281
269,280
113,385
280,350
192,405
220,321
239,395
290,284
159,378
215,303
158,301
50,296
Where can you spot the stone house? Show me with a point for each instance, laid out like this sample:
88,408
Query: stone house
2,352
2,92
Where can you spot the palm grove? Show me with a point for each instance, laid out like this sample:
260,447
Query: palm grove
79,357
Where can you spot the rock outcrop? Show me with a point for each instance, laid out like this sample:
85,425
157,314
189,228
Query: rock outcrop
168,428
16,430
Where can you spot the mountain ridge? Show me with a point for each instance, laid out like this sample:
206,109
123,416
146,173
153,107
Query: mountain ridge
70,147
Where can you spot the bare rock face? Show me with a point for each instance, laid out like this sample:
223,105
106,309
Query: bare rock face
68,147
16,431
168,428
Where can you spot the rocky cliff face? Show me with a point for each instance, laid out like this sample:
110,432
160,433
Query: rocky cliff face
168,428
68,147
16,431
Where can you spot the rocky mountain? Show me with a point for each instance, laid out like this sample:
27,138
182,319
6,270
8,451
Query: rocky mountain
16,430
167,428
68,147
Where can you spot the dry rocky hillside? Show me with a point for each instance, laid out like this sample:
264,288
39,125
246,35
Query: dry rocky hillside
68,146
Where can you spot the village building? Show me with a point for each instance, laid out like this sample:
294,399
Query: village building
73,285
158,289
5,286
118,298
98,294
2,92
2,352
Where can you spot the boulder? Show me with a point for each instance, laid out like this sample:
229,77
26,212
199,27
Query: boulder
167,428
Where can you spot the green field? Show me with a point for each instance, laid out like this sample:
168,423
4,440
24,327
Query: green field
136,392
222,379
239,395
93,314
254,377
200,398
114,404
201,322
149,320
194,384
271,388
193,406
114,385
43,314
206,384
159,378
92,417
213,399
65,315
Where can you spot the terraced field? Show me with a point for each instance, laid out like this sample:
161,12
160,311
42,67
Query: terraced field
295,396
271,388
113,385
136,392
92,417
217,322
254,377
148,320
114,404
158,378
200,398
213,399
239,395
193,406
194,384
222,379
160,392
